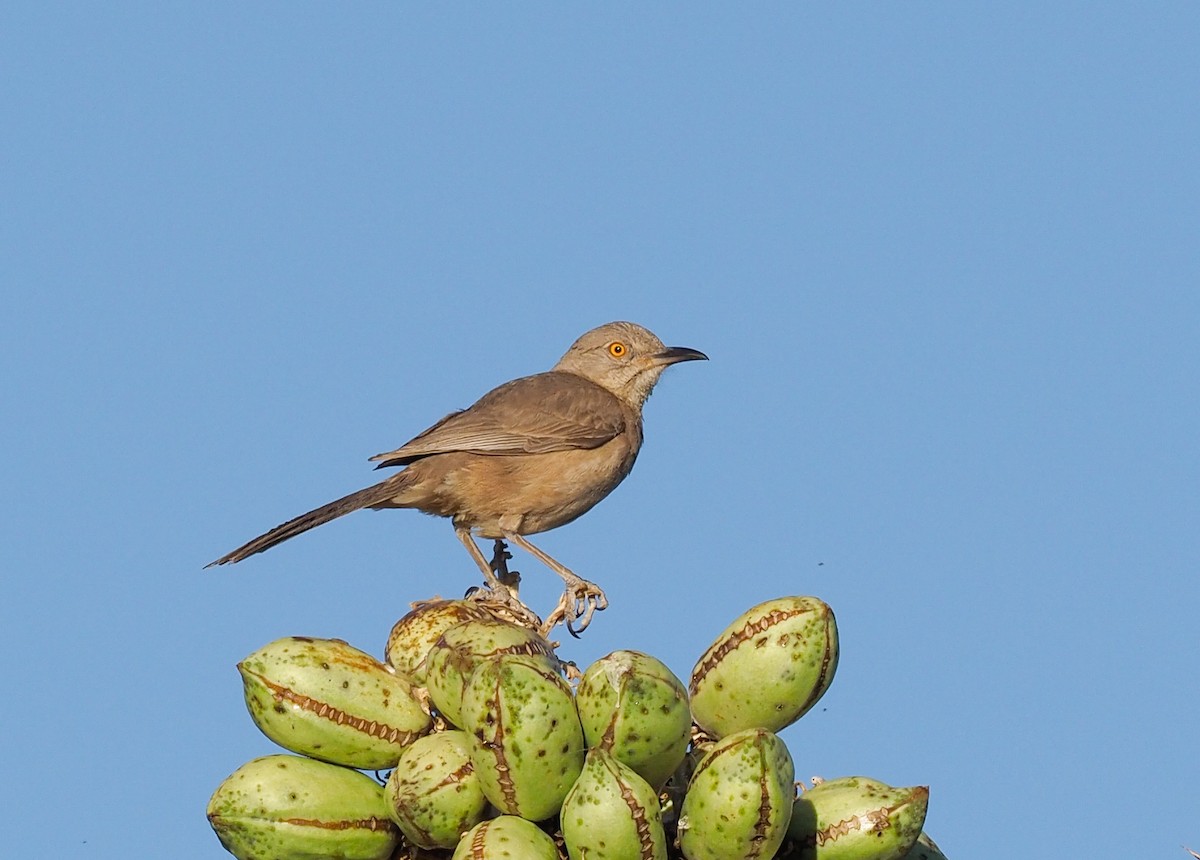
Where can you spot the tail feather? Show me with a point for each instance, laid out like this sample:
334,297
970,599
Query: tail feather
372,495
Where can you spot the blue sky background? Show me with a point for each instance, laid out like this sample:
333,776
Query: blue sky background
944,259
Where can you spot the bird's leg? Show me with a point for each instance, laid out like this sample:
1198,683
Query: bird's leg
496,585
499,566
489,576
580,601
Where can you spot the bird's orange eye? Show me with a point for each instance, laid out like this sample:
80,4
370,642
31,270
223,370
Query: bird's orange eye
617,349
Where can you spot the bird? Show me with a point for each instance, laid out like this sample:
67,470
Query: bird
531,455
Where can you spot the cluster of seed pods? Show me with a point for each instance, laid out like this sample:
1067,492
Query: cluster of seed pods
493,753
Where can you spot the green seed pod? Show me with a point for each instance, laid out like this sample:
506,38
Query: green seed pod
739,801
433,792
506,838
284,807
856,818
633,706
527,743
461,648
322,698
767,669
611,813
417,632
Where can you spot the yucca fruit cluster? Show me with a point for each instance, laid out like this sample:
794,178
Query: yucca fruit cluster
497,749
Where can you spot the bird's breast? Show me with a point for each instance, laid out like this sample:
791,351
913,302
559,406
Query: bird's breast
533,493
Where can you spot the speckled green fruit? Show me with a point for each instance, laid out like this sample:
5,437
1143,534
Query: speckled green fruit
767,668
506,838
739,800
460,649
856,818
284,807
325,699
633,706
526,740
433,792
611,813
416,633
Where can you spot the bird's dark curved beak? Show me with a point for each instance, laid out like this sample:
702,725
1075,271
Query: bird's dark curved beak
676,354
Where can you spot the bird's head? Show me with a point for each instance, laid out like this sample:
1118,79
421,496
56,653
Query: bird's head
623,358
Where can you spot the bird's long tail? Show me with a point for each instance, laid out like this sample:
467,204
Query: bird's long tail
373,495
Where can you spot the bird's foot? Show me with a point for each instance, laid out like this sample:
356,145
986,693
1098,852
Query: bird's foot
504,603
579,603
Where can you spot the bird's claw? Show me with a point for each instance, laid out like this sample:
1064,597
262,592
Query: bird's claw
580,601
503,601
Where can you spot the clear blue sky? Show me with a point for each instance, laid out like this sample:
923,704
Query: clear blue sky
944,258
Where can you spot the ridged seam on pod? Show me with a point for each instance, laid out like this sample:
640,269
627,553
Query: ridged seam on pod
852,817
867,821
326,711
372,824
477,839
760,671
495,745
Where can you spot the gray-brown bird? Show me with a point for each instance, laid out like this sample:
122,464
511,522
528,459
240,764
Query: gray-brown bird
529,456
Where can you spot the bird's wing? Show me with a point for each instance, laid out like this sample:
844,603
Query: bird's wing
551,411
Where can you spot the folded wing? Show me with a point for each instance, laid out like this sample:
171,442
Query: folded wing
552,411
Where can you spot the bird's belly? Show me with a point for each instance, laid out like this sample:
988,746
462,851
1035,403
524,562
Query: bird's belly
530,493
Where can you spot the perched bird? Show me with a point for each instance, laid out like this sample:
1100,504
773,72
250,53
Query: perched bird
529,456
